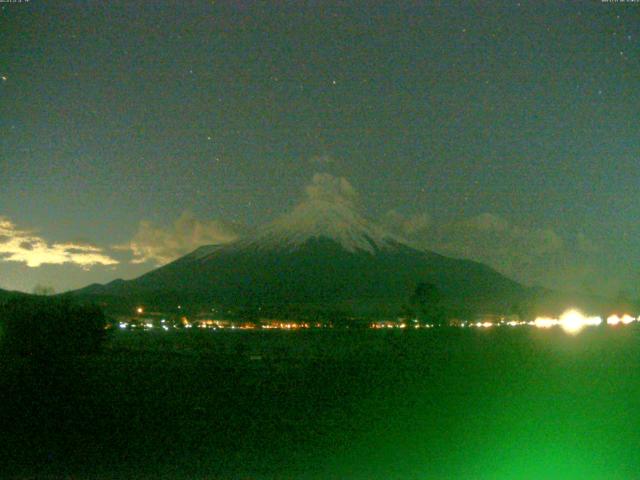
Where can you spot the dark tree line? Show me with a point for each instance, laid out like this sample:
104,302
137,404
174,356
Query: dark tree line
427,304
46,327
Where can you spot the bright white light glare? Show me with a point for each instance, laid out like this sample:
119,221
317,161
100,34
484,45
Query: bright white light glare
593,321
572,321
165,328
613,320
627,319
545,322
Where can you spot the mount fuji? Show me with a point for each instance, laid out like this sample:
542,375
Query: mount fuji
323,254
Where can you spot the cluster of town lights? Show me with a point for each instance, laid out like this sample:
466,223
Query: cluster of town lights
571,321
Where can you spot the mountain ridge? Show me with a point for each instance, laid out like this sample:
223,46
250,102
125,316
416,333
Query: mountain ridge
323,253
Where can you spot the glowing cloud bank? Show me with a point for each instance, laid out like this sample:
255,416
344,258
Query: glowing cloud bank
24,246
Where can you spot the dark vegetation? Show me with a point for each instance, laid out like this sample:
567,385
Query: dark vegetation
438,403
426,304
45,328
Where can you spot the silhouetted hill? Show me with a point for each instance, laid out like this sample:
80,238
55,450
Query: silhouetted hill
321,255
7,294
325,256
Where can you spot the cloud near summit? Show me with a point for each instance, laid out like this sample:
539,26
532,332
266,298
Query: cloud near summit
324,187
528,254
531,255
163,244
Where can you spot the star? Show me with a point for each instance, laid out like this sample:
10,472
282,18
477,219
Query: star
4,78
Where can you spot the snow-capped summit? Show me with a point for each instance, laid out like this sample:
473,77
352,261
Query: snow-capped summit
324,219
329,211
322,254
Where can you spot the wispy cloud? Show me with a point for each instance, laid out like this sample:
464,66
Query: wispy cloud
24,246
324,187
161,245
407,225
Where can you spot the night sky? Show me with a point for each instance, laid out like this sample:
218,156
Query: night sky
505,132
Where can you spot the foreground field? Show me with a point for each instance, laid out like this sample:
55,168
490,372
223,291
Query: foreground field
495,404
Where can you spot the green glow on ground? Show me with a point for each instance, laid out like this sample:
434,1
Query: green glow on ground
464,404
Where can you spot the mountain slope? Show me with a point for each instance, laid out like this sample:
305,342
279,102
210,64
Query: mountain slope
323,254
